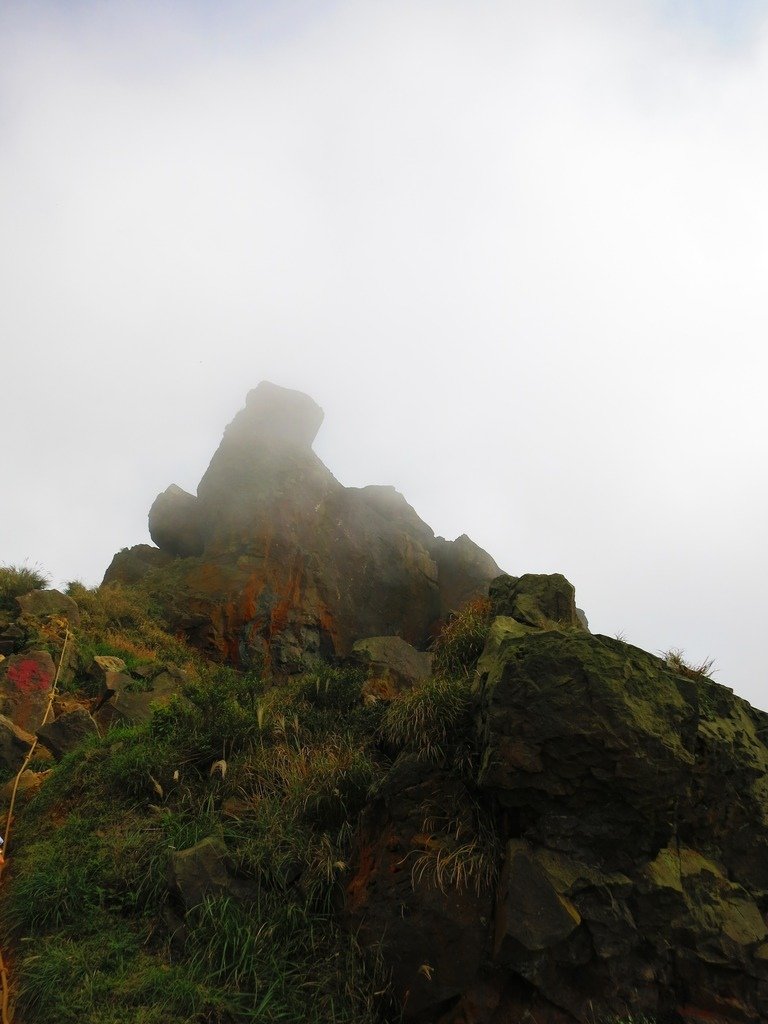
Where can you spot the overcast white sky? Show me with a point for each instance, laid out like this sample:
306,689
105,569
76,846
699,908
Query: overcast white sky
517,251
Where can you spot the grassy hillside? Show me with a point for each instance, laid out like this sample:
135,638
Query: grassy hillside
279,771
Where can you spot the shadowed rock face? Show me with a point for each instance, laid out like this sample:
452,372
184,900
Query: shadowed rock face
274,556
629,838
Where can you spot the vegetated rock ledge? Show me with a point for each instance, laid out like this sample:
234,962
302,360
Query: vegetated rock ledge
607,859
275,558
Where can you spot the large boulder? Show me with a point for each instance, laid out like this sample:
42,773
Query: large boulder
25,685
68,731
275,559
14,745
391,665
593,739
174,522
204,870
200,871
537,600
133,701
46,604
130,565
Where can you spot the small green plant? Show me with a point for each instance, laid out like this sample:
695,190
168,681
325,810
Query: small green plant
16,580
456,650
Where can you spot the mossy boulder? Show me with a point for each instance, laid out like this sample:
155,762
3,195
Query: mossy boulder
538,600
391,665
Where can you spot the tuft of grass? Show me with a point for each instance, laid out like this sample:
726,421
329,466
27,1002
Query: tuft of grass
456,650
460,849
431,718
675,660
16,580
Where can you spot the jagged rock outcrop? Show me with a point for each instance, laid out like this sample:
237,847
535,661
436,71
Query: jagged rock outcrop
630,840
275,557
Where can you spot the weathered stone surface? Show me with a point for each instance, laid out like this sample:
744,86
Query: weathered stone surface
45,604
530,910
126,700
132,564
537,600
200,871
464,571
174,523
68,731
617,773
25,684
294,566
594,738
12,639
29,785
14,744
116,683
392,665
633,807
102,665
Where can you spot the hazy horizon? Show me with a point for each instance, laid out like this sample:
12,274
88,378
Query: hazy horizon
517,253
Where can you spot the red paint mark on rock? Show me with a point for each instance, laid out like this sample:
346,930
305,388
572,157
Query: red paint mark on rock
29,676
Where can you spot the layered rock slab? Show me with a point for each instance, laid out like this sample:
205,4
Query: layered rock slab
275,558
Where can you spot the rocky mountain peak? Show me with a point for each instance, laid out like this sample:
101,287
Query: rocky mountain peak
278,416
290,562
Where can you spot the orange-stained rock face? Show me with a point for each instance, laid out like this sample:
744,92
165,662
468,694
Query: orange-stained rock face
277,559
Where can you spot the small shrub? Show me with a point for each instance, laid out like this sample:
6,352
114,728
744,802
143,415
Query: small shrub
16,580
456,650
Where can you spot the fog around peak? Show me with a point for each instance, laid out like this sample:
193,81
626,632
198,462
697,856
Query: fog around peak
515,252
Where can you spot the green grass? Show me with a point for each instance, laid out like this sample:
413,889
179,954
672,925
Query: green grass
460,643
85,902
430,719
108,977
85,899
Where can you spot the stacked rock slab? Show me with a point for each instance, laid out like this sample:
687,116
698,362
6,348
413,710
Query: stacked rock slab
275,557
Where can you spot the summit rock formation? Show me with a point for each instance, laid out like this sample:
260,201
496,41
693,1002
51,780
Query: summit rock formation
275,558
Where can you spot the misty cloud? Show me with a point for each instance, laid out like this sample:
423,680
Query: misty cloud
516,252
